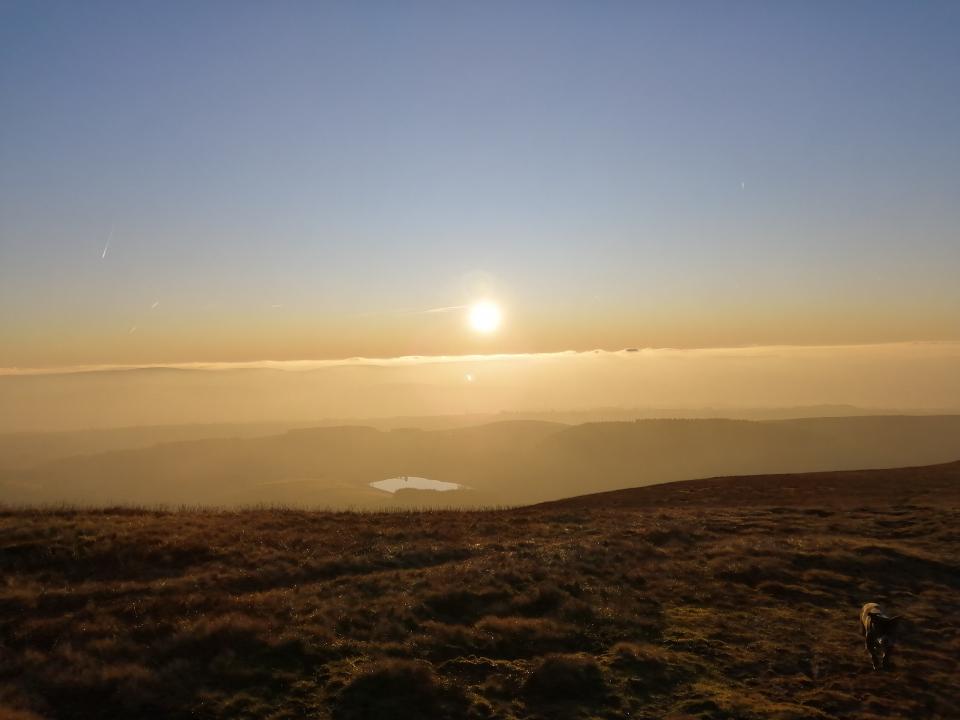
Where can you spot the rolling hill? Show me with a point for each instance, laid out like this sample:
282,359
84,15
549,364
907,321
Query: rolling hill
507,463
706,600
917,486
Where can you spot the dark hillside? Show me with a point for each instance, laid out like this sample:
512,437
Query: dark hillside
729,598
927,485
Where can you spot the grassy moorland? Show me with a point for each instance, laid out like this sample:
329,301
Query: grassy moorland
730,598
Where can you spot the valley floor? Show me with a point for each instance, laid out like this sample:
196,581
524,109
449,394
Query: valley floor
543,612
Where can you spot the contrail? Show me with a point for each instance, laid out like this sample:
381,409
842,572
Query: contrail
106,247
451,308
428,311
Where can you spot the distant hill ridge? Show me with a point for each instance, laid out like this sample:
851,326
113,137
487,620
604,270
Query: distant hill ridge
504,463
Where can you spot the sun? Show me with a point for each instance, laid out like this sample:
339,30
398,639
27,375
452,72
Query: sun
484,317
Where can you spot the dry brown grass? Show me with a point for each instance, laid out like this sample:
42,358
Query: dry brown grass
580,612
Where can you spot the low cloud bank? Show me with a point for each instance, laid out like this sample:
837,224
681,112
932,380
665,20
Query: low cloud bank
914,376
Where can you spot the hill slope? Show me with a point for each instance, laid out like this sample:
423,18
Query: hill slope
640,604
925,485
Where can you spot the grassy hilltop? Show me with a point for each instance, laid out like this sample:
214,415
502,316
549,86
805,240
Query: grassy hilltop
728,598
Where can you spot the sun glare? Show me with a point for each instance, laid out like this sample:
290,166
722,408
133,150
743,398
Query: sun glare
484,317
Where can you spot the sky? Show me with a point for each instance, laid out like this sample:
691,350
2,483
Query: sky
243,181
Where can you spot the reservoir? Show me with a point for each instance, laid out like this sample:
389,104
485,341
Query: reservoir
406,482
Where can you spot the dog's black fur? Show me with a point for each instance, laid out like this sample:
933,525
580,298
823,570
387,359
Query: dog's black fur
879,634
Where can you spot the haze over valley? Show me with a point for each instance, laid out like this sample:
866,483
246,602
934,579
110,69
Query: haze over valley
498,464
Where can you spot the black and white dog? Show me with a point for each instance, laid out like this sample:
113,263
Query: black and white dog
879,631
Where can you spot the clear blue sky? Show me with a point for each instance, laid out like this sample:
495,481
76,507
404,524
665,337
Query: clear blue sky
297,179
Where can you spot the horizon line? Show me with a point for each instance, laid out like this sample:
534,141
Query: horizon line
303,365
